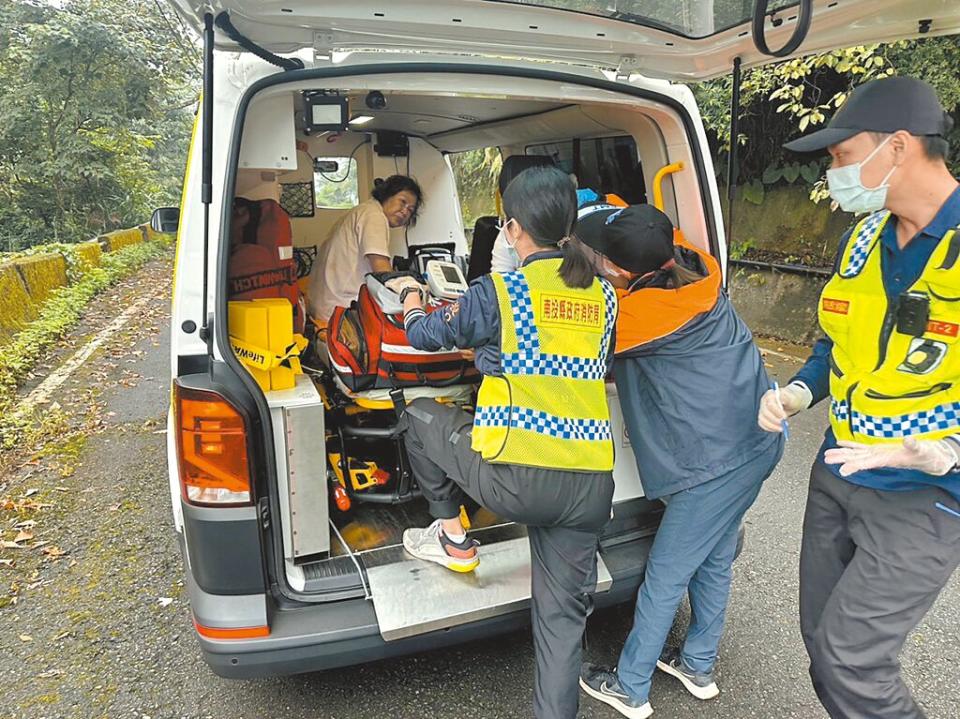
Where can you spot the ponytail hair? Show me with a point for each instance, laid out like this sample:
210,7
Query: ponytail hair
575,270
680,276
544,202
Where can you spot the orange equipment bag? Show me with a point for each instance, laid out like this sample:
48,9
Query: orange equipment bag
261,257
369,348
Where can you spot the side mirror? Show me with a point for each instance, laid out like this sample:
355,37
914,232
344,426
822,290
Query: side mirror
165,219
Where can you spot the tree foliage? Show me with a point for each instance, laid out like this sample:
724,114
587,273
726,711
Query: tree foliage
782,101
96,104
476,173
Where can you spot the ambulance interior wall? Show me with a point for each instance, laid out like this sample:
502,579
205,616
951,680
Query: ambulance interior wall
439,220
313,231
657,130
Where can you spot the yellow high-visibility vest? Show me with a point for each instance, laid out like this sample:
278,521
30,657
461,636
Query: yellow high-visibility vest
885,384
549,409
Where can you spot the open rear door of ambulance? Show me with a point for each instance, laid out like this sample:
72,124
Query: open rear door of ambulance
678,40
682,40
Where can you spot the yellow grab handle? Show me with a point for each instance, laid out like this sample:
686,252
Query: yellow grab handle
658,182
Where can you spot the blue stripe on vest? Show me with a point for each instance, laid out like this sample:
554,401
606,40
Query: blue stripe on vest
542,423
553,366
610,295
528,340
944,416
861,245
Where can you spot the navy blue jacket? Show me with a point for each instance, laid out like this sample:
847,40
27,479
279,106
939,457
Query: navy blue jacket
690,402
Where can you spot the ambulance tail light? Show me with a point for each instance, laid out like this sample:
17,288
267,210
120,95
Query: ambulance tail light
211,449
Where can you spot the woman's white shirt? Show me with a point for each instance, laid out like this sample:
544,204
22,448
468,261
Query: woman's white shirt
342,264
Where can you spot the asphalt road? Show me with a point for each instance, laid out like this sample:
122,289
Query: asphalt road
94,621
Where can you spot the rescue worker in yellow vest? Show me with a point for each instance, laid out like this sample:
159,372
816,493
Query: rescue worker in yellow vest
538,451
881,533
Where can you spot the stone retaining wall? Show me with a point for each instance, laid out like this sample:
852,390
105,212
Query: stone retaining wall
777,304
27,282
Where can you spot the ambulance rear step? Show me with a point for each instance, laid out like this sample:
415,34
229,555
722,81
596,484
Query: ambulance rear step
413,597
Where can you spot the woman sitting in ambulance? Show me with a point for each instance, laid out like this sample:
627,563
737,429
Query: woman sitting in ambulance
690,379
360,243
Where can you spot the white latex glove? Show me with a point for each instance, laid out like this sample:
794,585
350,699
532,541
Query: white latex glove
933,456
794,397
399,284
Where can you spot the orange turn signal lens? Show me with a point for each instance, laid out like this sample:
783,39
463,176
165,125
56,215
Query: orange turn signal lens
211,449
240,633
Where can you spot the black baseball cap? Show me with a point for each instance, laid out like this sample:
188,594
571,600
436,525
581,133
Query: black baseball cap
638,238
886,105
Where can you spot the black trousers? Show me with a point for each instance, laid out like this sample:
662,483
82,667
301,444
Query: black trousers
872,563
563,511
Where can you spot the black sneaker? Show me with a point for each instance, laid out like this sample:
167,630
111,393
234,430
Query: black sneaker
702,686
603,684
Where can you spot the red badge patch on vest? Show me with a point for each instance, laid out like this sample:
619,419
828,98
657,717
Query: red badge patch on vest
840,307
947,329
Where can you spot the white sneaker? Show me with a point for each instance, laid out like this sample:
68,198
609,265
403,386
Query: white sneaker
433,545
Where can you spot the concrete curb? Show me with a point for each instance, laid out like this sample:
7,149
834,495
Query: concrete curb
42,274
27,282
16,307
113,241
88,255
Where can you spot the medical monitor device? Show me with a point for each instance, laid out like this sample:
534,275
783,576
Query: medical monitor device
445,279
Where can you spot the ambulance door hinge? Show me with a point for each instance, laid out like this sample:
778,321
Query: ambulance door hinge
263,512
628,65
323,41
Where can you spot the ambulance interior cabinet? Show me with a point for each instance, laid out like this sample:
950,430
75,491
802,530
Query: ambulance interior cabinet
298,433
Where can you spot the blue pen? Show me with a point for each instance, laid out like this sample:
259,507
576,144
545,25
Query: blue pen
947,509
784,427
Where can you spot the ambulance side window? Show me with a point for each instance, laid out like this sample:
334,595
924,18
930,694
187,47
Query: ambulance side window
604,164
337,190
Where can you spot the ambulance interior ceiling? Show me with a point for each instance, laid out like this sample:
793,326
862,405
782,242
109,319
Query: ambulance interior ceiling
429,115
446,122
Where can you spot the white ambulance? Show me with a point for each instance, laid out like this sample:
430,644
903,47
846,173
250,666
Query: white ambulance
306,104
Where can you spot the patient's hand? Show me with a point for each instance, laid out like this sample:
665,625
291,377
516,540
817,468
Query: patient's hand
399,284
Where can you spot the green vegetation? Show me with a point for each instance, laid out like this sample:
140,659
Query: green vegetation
96,105
476,173
59,314
779,102
338,189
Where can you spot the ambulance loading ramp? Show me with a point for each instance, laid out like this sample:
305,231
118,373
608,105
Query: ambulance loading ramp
413,597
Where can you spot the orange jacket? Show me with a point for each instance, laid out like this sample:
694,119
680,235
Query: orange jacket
650,313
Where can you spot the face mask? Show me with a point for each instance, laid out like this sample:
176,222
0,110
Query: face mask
846,186
512,244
